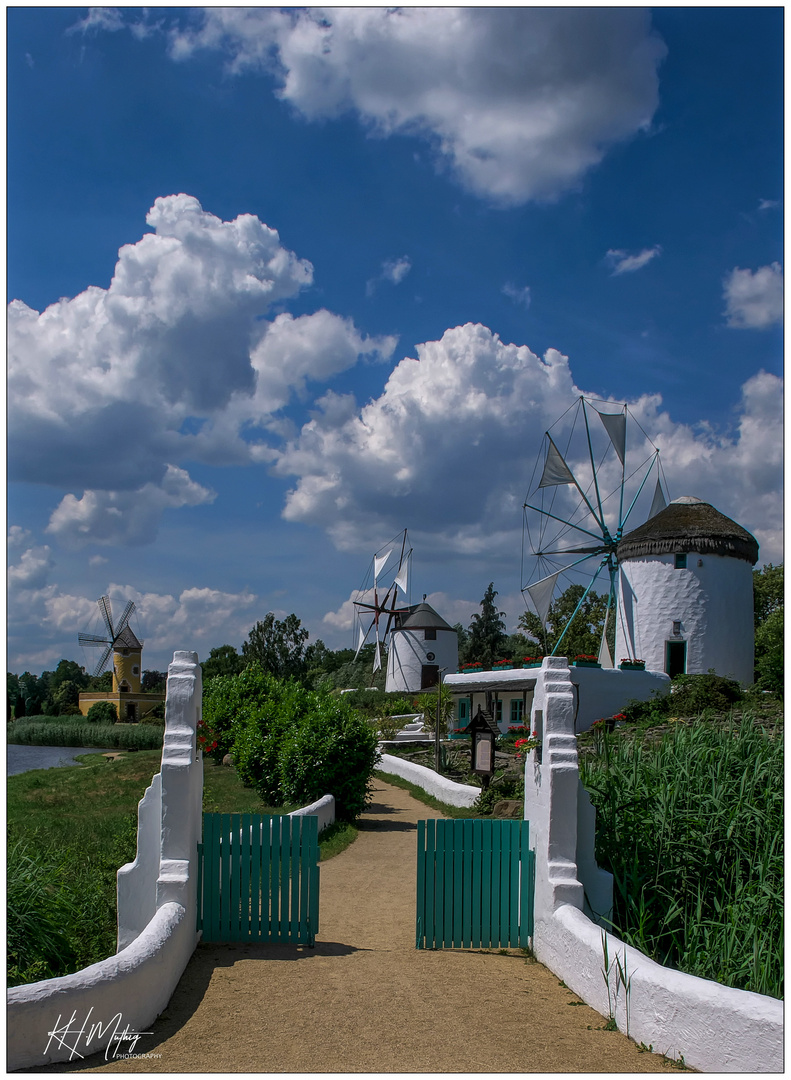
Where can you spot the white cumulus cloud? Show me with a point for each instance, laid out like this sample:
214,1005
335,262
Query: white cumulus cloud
520,102
754,299
622,262
450,445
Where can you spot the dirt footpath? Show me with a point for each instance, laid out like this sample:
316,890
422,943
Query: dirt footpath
366,1000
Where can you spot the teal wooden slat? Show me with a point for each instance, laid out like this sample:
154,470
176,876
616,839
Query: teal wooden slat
285,848
246,897
420,917
458,882
439,886
236,876
315,879
505,880
525,921
296,841
466,914
255,877
214,873
226,871
486,884
513,892
304,871
429,920
475,914
273,878
199,911
447,915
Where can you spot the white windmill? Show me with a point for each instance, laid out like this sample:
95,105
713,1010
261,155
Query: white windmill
586,485
378,594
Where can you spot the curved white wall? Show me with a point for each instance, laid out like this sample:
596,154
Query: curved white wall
713,600
447,791
409,651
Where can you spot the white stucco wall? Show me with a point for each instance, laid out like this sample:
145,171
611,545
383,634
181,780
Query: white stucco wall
598,692
714,1027
447,791
713,600
409,652
134,986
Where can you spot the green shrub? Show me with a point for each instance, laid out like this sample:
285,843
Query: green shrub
103,712
291,744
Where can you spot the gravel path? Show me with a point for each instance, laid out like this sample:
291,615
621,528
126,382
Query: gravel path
365,1000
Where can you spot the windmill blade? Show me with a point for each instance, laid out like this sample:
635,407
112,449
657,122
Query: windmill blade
556,471
402,577
122,622
541,595
378,657
659,503
107,612
380,562
100,666
615,426
92,639
361,641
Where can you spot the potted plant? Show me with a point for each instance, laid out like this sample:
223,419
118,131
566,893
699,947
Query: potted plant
532,661
585,660
502,665
632,665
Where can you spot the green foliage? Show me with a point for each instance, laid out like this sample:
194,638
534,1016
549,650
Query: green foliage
769,653
103,712
583,636
690,695
278,646
356,674
65,731
767,592
100,684
692,830
39,911
224,660
292,744
154,682
487,635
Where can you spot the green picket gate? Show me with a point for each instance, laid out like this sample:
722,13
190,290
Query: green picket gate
258,878
475,884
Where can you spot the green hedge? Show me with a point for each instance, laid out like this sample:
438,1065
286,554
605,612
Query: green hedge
59,732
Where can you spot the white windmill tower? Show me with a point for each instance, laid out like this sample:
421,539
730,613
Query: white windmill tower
420,644
686,592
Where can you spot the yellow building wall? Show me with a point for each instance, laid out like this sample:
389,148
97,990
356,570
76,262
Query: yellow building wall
126,668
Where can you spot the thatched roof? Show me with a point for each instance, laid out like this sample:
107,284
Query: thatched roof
420,617
689,525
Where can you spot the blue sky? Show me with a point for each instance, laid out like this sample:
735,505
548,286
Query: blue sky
284,282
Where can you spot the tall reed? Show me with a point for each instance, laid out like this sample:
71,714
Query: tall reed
692,830
67,732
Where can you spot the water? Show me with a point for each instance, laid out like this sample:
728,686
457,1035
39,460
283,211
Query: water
20,759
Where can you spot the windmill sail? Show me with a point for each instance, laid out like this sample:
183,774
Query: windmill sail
659,502
113,633
615,425
541,595
401,578
380,561
556,471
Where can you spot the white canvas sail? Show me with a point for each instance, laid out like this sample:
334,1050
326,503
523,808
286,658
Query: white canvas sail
604,654
378,657
360,642
380,562
556,471
659,502
541,595
401,578
615,425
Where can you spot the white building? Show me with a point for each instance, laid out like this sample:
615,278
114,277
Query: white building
686,593
422,645
598,693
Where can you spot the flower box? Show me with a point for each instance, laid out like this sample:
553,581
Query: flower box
533,663
458,735
502,667
587,663
632,665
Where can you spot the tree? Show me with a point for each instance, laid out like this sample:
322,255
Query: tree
464,642
279,647
224,660
66,698
768,608
487,630
154,682
583,636
767,592
68,671
103,712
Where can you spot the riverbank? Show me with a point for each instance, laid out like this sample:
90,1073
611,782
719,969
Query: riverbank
22,757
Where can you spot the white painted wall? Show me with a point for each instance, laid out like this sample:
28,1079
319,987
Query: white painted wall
715,1028
154,948
409,652
597,692
713,600
447,791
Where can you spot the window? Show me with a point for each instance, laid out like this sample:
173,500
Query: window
498,713
516,711
675,658
135,670
677,628
429,635
463,712
681,560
